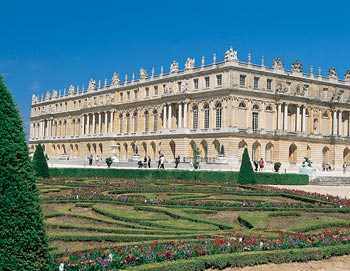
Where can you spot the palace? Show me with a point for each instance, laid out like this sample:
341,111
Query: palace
219,108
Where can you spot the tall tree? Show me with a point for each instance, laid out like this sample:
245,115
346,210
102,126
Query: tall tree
40,163
246,174
23,242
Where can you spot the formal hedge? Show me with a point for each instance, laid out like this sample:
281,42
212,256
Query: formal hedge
219,176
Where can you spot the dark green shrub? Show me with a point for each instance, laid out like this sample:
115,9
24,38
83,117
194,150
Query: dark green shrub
246,174
40,163
109,161
23,242
277,166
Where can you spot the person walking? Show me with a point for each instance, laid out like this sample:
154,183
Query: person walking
261,164
162,161
96,159
91,158
344,167
149,162
177,161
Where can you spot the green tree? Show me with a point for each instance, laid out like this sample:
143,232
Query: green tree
40,163
23,242
246,174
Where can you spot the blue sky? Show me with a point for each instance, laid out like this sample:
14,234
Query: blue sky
48,45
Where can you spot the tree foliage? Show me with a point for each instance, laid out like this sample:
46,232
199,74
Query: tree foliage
246,174
40,163
23,242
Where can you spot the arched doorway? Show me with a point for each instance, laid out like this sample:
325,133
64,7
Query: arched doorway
172,148
256,151
346,155
293,154
241,146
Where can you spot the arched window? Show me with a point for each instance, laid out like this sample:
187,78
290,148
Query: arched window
218,115
241,105
195,117
128,122
155,120
146,121
135,121
120,123
206,116
268,108
269,152
293,153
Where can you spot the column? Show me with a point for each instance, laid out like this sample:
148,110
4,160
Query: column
298,118
99,122
164,117
285,121
279,116
180,116
106,123
87,130
82,124
93,124
185,115
334,123
304,120
111,119
169,117
340,124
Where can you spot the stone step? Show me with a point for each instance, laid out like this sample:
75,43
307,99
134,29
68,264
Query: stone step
331,180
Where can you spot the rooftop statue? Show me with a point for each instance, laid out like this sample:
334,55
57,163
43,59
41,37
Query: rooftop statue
115,79
71,90
231,55
54,94
143,73
297,66
47,96
277,64
347,76
189,63
34,99
332,73
174,67
92,84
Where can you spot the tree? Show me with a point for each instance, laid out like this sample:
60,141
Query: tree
23,241
40,163
246,174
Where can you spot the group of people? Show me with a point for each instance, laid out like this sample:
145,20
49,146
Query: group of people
259,165
91,159
147,162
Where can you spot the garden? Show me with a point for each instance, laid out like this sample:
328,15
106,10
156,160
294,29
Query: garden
176,224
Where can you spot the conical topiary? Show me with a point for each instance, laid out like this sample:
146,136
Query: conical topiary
40,163
23,242
246,174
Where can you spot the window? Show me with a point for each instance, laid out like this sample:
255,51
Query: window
179,86
325,93
207,81
120,123
127,123
219,80
121,97
269,84
218,115
241,105
147,92
268,108
255,120
155,90
195,83
195,117
155,120
146,121
242,80
206,116
256,82
128,95
136,94
135,122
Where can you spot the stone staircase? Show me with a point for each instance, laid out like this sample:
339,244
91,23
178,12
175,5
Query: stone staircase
331,180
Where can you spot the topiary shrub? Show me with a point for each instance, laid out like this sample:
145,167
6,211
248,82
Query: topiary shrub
246,174
109,161
23,242
277,166
40,163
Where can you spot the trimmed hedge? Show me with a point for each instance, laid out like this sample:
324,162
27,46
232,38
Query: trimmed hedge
221,176
242,259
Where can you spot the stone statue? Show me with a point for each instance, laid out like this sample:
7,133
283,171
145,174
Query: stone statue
231,55
189,63
115,79
297,66
47,96
169,88
307,162
315,124
143,73
174,67
277,64
92,84
347,76
71,90
332,73
54,94
184,86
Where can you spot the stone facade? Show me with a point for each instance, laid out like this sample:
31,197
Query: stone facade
278,114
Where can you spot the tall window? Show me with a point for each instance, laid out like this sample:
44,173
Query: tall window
195,83
256,82
147,92
207,81
121,97
155,90
128,122
255,120
155,120
128,95
195,117
218,115
269,84
179,86
136,94
219,80
135,122
206,116
120,123
146,121
242,80
325,93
